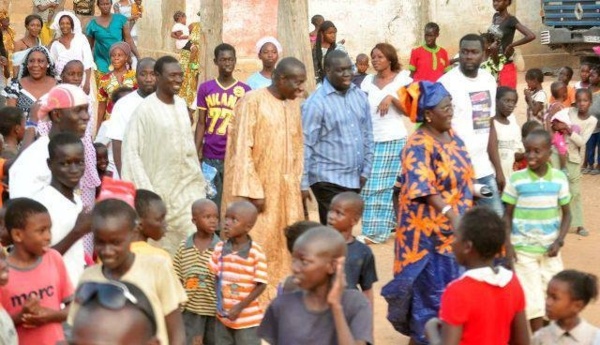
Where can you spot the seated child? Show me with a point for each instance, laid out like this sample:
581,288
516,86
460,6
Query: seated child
191,264
344,213
528,127
292,232
113,225
323,312
180,31
8,333
569,292
37,271
565,74
241,270
536,234
536,98
362,64
12,128
497,315
98,322
558,135
584,76
152,224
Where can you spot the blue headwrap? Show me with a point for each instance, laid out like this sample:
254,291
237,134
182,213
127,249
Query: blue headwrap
418,97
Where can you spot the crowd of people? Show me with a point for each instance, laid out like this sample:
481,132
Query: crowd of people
141,205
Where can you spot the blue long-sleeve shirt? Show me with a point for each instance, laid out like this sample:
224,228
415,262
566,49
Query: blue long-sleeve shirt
338,137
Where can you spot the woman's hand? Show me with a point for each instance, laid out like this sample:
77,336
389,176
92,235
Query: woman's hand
384,106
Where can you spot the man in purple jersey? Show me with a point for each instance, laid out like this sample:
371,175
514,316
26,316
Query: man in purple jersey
216,100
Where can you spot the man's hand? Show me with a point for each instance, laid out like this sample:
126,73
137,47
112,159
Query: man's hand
259,204
511,256
501,181
363,182
83,224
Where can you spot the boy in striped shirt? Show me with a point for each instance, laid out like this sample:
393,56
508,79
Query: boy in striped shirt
241,270
192,266
536,231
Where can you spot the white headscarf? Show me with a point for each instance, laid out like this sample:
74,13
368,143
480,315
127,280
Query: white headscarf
268,39
56,24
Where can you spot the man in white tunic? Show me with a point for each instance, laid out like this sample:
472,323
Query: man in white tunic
159,153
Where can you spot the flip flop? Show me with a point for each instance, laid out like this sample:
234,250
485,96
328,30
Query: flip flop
583,232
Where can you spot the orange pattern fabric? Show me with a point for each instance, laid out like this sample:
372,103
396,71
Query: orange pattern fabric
430,167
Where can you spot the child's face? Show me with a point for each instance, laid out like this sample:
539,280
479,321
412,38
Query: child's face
182,19
562,92
431,36
225,62
362,65
594,77
500,5
584,73
507,104
35,238
559,303
73,74
311,268
154,223
67,165
342,216
330,35
583,102
118,58
268,55
532,84
236,224
563,76
3,268
5,239
112,238
102,159
206,218
537,152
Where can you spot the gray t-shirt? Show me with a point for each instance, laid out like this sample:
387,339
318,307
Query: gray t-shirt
288,322
595,110
8,333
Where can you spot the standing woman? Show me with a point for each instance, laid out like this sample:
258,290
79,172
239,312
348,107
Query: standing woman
8,39
37,78
124,7
105,30
33,27
71,45
268,50
189,59
326,43
503,27
389,134
436,186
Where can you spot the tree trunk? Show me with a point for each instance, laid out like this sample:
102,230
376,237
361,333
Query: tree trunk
212,27
292,24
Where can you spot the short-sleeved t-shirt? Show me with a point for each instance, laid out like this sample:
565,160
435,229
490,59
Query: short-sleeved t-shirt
507,27
490,325
121,114
48,281
219,103
104,38
257,81
509,143
583,333
238,273
8,333
429,63
537,201
360,266
157,280
288,321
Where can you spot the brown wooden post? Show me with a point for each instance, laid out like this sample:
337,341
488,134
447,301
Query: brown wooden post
292,32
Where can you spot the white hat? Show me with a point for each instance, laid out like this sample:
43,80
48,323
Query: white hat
268,39
562,116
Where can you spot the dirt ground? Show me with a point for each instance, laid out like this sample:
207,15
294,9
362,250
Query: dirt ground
579,252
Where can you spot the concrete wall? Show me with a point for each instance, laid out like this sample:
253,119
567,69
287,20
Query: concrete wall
363,23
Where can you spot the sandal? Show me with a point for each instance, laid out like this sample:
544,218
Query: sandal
366,240
582,232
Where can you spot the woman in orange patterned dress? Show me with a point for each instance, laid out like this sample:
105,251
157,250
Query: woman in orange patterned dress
435,187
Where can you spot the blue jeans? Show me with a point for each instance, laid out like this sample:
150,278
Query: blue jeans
494,203
591,146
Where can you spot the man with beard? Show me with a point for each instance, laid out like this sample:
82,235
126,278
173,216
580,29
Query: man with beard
159,152
124,108
473,92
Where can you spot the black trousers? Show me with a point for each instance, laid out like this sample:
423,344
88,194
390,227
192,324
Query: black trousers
325,192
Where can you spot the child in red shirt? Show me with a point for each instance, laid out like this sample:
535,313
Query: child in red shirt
38,283
497,315
429,61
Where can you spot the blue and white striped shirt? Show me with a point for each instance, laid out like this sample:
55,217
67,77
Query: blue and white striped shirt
338,137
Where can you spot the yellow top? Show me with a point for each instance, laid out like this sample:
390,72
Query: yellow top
145,248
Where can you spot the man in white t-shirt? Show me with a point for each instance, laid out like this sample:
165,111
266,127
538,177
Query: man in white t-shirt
124,108
473,93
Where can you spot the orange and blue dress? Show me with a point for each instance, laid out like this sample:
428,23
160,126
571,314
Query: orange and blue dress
424,263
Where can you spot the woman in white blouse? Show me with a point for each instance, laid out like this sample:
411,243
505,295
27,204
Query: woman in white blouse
71,45
389,134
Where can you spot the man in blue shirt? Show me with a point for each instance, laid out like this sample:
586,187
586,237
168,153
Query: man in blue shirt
338,135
